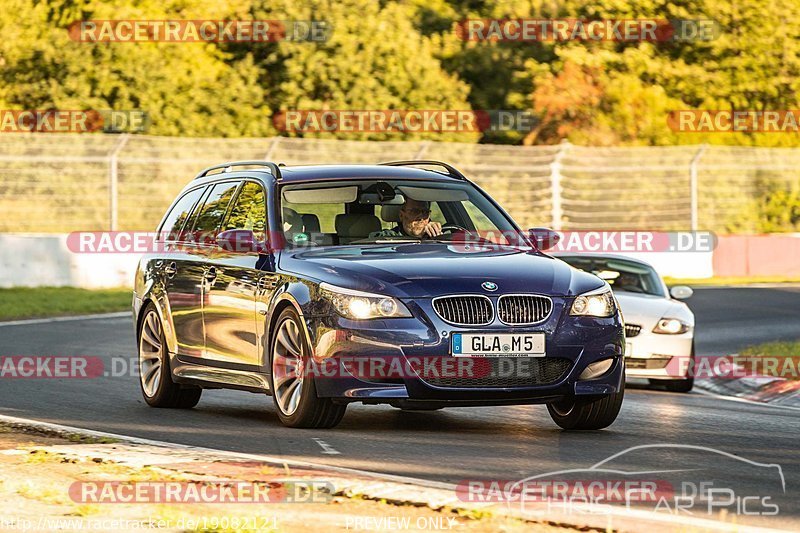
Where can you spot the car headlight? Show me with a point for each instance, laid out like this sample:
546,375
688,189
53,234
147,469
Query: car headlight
671,326
359,305
599,303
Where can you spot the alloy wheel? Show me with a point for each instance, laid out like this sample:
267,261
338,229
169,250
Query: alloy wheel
151,354
287,367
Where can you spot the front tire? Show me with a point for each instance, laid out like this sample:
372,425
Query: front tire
155,377
679,385
292,385
575,413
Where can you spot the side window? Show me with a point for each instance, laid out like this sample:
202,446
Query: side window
173,223
210,215
249,211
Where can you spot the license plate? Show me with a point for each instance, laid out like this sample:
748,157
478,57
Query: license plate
500,344
628,349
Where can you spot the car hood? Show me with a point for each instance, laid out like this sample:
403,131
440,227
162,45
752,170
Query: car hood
422,270
646,310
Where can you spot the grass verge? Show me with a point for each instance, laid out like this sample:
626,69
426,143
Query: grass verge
25,302
774,349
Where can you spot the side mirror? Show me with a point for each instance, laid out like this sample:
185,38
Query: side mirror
544,238
241,241
681,292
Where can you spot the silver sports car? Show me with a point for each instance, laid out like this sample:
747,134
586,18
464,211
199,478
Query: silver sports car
659,329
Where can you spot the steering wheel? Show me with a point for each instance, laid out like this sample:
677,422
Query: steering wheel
454,227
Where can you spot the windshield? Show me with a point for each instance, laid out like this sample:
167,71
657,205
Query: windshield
379,211
622,275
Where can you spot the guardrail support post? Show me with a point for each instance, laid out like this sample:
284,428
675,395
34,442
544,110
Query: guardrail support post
693,184
555,186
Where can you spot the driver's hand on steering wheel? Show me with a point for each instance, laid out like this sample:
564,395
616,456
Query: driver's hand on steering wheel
432,229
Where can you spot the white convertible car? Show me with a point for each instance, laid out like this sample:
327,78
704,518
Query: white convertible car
659,329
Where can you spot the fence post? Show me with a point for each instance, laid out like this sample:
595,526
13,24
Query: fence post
271,150
423,147
693,184
555,185
113,181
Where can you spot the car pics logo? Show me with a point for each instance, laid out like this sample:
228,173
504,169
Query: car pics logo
489,286
593,489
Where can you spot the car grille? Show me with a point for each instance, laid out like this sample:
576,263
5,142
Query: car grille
631,330
464,310
507,372
523,308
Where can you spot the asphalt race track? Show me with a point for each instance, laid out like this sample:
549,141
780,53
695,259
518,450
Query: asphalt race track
504,443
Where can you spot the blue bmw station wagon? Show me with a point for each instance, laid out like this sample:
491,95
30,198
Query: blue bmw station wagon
401,283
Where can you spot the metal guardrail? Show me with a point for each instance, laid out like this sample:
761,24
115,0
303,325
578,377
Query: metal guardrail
69,182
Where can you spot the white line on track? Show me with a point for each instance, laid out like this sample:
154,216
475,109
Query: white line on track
326,448
241,455
675,521
125,314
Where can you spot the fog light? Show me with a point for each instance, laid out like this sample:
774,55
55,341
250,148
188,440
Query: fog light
596,369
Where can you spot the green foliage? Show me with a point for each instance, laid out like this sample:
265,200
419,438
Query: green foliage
778,207
397,54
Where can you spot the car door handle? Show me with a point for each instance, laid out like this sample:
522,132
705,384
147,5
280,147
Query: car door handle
211,275
171,269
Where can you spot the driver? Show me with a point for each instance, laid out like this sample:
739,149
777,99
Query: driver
627,282
415,221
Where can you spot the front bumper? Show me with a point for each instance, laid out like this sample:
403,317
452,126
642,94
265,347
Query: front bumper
577,341
657,356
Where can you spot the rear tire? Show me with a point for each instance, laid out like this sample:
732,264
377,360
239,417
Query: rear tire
587,414
155,376
295,394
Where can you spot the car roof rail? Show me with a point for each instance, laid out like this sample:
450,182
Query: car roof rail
229,167
451,170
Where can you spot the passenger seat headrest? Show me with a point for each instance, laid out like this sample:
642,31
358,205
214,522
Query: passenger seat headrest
311,223
292,222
